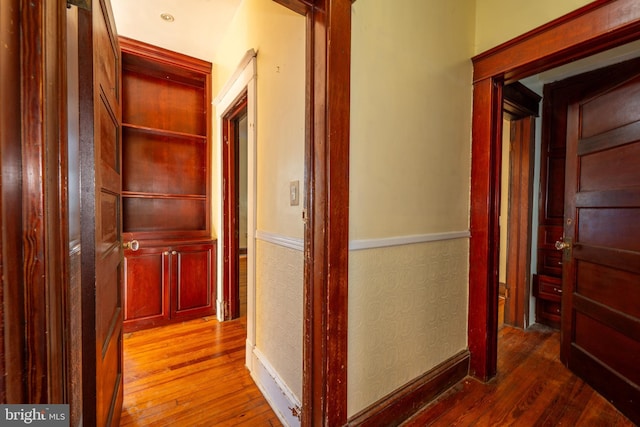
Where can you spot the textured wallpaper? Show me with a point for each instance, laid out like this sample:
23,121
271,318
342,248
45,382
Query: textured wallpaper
407,313
279,311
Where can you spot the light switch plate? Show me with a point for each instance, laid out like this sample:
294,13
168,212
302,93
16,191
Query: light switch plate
294,193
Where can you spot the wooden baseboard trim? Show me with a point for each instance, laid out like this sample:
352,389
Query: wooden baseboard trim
401,404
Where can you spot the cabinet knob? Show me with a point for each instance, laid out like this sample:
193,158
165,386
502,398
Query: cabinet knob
173,252
166,253
134,245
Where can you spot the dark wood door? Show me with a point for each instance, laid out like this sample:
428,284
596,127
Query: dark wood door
100,118
601,264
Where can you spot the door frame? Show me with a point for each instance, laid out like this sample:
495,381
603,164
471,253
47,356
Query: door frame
230,213
241,84
520,107
326,207
594,28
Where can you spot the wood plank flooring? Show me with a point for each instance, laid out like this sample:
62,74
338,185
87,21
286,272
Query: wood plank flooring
532,388
191,374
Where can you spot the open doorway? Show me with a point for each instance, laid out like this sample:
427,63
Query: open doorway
235,208
520,109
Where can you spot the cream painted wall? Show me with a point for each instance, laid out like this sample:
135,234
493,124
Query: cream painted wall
498,21
410,117
409,176
278,36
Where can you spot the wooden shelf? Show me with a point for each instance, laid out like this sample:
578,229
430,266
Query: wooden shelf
142,195
164,132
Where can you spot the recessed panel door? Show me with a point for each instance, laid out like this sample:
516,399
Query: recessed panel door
601,246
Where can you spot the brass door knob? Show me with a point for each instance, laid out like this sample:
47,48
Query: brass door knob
562,245
134,245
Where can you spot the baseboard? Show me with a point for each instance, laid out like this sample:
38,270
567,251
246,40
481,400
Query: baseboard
401,404
281,399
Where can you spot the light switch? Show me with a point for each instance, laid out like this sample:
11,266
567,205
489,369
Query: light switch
294,193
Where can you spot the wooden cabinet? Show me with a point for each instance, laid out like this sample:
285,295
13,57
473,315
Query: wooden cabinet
167,283
166,185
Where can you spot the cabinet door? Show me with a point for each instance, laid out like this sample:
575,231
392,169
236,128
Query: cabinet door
146,290
192,280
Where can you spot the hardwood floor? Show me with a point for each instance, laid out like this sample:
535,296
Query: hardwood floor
191,374
532,388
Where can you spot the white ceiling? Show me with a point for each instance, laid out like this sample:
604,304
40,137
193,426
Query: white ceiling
197,30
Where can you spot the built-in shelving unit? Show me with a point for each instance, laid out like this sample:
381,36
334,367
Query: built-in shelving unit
166,189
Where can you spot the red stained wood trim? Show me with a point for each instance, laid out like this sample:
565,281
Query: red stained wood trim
591,29
326,209
403,403
44,251
11,292
158,55
485,209
231,245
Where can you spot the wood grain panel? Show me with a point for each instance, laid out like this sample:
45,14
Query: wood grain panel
145,295
182,160
608,170
156,215
598,339
193,279
604,284
180,103
596,114
610,227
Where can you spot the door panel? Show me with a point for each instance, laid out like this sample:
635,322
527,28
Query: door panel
100,216
601,272
146,289
192,283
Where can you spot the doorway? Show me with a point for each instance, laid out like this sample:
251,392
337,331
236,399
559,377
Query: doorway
609,25
520,109
235,208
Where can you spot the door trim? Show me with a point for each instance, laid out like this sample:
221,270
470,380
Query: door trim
326,254
243,81
230,213
596,27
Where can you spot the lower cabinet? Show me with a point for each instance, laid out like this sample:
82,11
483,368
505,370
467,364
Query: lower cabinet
167,283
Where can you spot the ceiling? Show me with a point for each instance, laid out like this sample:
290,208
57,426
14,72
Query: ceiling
197,30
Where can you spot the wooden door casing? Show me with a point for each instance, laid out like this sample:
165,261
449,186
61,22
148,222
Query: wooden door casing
601,265
231,211
100,167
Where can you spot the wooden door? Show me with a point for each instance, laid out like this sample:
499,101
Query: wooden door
99,67
601,265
